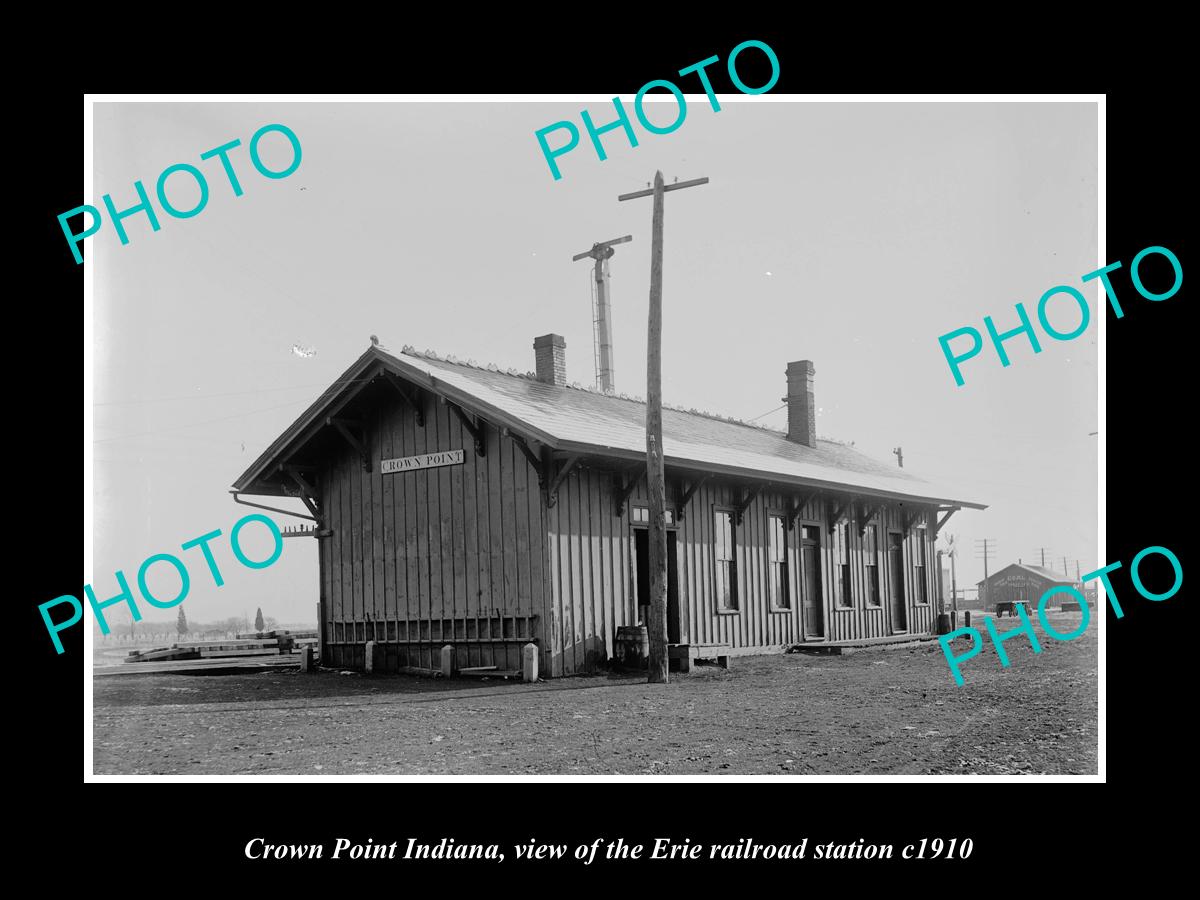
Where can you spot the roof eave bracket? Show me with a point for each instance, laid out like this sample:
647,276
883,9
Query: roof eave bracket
413,399
681,507
475,426
355,441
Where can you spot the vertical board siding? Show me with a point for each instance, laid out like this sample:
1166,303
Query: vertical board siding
465,554
424,557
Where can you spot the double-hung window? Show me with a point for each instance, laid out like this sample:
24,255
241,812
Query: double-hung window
725,556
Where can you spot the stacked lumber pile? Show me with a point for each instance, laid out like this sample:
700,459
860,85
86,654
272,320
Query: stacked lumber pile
270,643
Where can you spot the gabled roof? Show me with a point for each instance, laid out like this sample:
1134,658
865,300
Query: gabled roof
1039,571
591,423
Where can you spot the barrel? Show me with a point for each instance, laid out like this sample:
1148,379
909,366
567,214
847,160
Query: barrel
633,646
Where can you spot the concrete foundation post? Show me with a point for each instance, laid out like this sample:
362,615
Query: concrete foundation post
529,663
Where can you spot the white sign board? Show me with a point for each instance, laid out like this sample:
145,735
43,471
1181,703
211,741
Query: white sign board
425,461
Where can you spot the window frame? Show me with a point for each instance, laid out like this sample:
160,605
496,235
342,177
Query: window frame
872,568
736,576
786,561
920,564
844,574
668,514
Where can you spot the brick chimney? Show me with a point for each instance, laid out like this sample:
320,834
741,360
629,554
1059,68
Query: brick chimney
802,409
550,353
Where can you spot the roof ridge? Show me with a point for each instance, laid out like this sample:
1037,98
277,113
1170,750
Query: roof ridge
409,350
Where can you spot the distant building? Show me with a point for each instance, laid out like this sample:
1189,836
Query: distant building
465,505
1019,583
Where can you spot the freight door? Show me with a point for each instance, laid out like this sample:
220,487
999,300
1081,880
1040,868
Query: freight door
810,570
896,576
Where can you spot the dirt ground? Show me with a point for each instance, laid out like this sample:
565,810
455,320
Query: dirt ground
892,711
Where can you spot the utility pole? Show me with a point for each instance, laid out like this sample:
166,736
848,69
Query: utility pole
985,553
655,469
1066,574
1042,550
899,451
1077,577
988,548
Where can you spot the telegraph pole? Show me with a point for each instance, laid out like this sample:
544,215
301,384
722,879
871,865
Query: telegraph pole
1066,574
1042,550
988,547
655,470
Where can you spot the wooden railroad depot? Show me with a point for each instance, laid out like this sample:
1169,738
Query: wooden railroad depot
465,505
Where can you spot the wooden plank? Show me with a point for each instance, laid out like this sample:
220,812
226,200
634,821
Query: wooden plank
573,506
347,541
606,586
499,595
560,609
408,515
163,654
419,483
521,513
356,550
420,670
435,438
207,653
598,640
472,588
458,535
450,548
387,518
189,666
484,540
324,565
540,559
492,672
375,484
508,518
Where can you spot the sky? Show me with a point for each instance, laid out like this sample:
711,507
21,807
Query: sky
851,234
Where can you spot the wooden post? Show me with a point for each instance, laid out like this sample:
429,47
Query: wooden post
655,471
448,661
656,626
369,660
529,663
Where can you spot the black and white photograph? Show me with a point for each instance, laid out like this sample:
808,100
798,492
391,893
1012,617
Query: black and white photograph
532,436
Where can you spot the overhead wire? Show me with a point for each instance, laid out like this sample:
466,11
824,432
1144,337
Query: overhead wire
120,437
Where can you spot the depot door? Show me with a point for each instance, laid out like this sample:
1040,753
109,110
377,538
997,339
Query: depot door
641,546
896,581
810,572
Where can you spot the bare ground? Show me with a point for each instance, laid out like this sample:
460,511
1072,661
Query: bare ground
880,711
